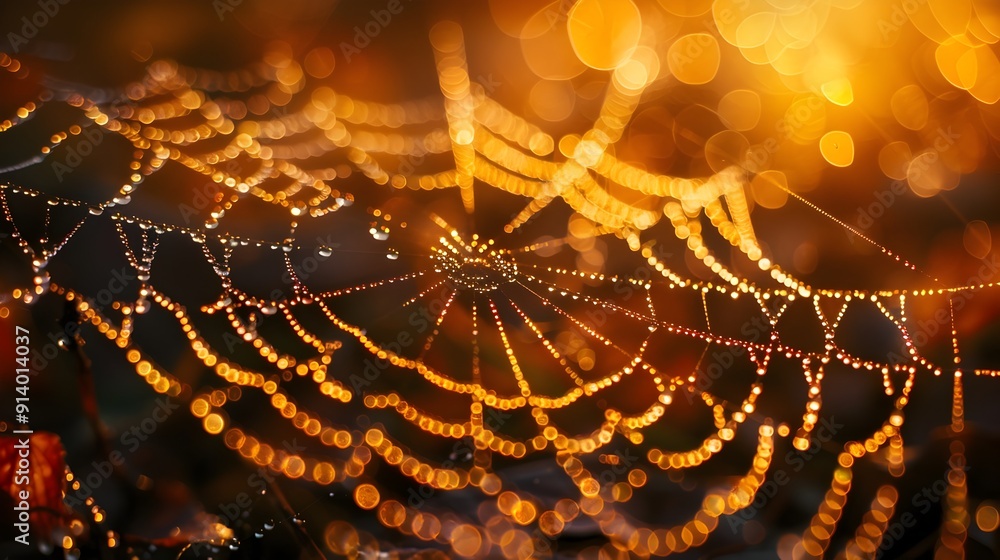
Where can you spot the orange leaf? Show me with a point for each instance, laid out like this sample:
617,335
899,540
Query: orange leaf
33,475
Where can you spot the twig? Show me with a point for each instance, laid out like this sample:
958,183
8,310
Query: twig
88,394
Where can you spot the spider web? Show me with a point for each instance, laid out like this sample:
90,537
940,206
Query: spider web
461,327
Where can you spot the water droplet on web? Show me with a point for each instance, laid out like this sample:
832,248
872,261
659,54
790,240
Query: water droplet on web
268,310
42,281
258,534
269,525
96,210
380,235
141,307
325,251
392,255
211,223
123,200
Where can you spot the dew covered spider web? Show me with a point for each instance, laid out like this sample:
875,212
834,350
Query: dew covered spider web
501,342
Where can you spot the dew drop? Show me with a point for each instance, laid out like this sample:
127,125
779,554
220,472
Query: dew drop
392,255
96,210
325,251
42,281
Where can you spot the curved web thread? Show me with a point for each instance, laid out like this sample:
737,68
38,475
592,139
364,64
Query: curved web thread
472,266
